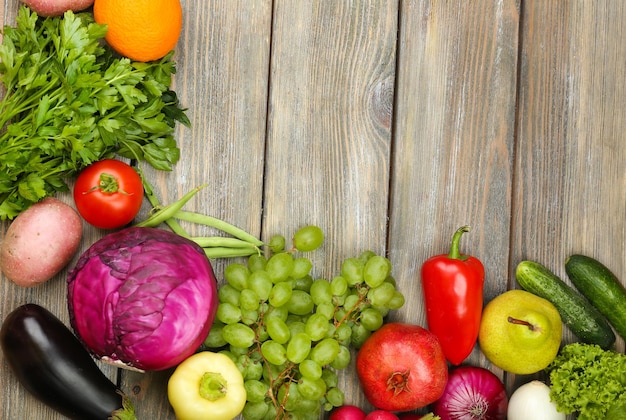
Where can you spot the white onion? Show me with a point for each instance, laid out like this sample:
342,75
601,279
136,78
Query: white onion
531,401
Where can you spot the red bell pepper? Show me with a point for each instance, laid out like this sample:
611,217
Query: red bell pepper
452,285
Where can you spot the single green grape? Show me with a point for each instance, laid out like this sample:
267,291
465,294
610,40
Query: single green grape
238,335
308,238
396,302
325,351
331,329
321,292
310,369
303,283
277,330
249,317
228,294
277,243
274,352
276,312
351,302
281,294
254,371
242,363
352,271
343,333
260,282
366,255
255,411
359,335
228,313
301,267
371,319
261,333
338,286
330,377
326,309
343,358
279,267
312,389
381,295
236,274
238,351
295,327
316,326
256,262
376,270
298,347
300,302
272,412
289,396
255,390
335,397
249,300
215,339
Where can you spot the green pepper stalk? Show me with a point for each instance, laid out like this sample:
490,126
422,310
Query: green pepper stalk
207,386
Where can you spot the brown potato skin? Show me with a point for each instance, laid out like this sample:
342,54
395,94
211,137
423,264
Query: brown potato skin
40,242
57,7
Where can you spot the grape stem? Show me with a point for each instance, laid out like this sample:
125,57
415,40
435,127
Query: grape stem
354,307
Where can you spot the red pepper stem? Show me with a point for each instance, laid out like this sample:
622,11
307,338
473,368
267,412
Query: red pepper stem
455,254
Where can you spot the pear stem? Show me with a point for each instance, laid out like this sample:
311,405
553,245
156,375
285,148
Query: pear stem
516,321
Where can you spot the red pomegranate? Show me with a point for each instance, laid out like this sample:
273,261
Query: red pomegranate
402,367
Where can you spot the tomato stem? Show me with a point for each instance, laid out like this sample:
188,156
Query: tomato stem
107,184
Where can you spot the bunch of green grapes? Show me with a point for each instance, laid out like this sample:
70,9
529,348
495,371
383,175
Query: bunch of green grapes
290,333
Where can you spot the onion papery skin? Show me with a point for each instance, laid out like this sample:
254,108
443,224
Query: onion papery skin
472,393
142,298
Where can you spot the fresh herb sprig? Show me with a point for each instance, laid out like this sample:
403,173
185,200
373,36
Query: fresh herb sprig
70,101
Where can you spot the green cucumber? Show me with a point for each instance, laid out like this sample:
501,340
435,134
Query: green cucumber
579,315
601,287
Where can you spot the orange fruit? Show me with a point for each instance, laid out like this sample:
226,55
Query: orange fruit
142,30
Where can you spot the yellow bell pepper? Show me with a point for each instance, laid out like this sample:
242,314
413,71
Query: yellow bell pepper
207,386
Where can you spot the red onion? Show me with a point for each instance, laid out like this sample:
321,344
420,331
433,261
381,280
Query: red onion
472,393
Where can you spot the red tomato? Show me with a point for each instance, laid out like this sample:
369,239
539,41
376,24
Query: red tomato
108,194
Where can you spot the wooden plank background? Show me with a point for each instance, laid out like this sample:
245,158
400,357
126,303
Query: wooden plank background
390,124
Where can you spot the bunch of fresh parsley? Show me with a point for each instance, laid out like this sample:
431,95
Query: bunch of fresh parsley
70,101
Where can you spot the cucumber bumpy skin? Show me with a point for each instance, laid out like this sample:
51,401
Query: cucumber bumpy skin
580,316
601,287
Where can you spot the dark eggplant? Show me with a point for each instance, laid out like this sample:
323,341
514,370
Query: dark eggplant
52,364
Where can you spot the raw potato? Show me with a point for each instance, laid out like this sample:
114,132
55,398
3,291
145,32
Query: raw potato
57,7
40,242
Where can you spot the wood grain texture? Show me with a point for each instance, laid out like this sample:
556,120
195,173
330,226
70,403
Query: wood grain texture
391,124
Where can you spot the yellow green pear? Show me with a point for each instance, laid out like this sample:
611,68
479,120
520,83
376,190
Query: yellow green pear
520,332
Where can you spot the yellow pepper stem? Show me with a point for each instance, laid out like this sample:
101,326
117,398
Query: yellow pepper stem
213,386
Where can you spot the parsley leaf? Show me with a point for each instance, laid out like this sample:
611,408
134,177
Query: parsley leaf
70,101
